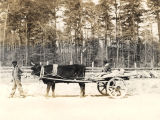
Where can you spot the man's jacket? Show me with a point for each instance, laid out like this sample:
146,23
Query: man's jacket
16,73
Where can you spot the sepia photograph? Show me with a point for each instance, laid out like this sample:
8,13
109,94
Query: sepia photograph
79,59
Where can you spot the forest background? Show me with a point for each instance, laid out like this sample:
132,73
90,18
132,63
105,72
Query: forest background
124,32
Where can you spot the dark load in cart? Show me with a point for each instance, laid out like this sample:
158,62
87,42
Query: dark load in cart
107,83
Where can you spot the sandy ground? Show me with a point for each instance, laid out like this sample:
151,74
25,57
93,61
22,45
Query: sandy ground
142,102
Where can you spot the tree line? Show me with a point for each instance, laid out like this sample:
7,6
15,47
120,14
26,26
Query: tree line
119,31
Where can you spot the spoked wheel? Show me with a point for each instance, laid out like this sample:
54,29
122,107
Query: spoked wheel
116,88
101,86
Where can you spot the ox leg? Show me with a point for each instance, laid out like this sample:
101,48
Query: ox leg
53,88
82,89
48,88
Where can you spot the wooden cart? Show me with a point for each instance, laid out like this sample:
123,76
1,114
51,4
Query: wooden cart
114,86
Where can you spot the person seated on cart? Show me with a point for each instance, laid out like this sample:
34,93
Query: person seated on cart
107,67
108,72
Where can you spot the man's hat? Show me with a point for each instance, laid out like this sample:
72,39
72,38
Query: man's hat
14,62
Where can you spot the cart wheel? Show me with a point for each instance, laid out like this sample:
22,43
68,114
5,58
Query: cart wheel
101,86
116,88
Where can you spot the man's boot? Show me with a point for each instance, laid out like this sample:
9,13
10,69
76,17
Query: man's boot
11,96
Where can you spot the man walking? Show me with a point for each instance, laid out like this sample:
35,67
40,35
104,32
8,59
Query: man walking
16,74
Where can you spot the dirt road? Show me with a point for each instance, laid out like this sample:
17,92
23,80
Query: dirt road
141,103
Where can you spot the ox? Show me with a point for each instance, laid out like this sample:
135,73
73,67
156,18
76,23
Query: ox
63,72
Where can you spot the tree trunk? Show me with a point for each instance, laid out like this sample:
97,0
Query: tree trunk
105,41
4,34
26,47
76,48
158,22
145,51
117,59
152,45
129,54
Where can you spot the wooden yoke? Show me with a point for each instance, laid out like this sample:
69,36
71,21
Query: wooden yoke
54,70
42,71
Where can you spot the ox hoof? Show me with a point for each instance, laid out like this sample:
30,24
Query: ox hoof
82,96
11,96
46,95
53,95
22,96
